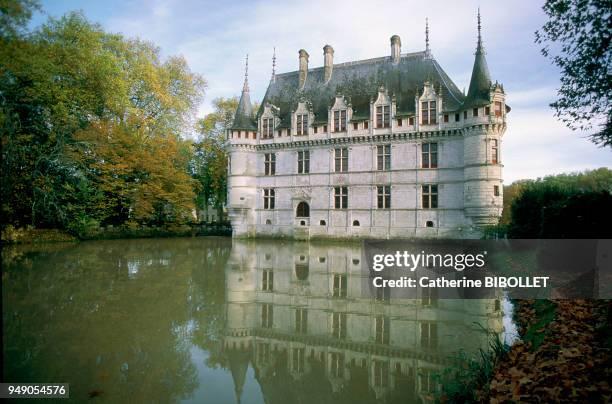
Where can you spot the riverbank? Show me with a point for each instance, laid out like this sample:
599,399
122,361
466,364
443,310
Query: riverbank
564,354
30,235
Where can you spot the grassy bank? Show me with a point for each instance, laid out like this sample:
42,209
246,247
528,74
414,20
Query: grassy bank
31,235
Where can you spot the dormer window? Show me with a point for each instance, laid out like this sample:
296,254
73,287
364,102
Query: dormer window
383,114
428,113
302,124
498,108
340,121
268,128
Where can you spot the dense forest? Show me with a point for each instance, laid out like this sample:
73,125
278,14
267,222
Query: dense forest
97,129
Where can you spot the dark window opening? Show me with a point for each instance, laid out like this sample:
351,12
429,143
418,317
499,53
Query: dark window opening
429,223
355,223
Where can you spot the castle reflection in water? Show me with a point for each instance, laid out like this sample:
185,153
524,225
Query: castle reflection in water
297,315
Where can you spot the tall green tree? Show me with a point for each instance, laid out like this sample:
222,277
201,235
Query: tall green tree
577,39
65,82
209,165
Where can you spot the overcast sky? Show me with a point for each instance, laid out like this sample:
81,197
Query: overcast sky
215,36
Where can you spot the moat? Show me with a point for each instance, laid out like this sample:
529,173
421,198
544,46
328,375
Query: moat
217,320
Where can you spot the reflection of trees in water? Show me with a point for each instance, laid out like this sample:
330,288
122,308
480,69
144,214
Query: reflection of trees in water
112,316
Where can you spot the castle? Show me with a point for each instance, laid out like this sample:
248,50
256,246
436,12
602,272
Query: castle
379,148
298,316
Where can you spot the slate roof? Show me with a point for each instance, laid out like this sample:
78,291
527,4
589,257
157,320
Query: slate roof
243,119
359,82
480,84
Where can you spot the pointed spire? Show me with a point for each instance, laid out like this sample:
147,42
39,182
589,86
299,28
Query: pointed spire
274,65
245,87
427,50
479,47
480,83
244,113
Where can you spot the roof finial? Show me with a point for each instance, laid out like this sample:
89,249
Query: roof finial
427,50
246,75
479,45
274,65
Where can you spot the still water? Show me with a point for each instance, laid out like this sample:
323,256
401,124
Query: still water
211,320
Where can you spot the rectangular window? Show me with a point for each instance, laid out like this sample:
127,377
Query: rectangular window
399,122
340,285
428,113
475,112
267,315
341,160
355,126
457,117
324,128
302,124
298,362
382,326
366,125
304,162
382,116
279,133
301,321
384,196
464,114
381,373
268,198
267,280
494,152
316,129
496,190
498,108
430,196
268,128
270,164
340,121
411,121
445,118
383,295
428,382
429,297
429,335
341,197
339,325
383,154
336,364
487,110
429,155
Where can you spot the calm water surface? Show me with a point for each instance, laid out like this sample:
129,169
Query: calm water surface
211,320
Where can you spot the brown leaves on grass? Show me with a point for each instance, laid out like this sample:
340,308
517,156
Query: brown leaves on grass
571,364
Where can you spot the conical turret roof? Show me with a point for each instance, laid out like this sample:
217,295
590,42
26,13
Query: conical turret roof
243,119
480,84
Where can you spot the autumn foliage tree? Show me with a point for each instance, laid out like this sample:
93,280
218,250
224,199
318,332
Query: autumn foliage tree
92,125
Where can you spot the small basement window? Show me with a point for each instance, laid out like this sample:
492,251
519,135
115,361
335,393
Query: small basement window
268,221
355,223
322,223
429,223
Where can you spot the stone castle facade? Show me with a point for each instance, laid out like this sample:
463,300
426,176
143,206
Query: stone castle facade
379,148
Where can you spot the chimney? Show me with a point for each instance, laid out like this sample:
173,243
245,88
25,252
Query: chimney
328,58
396,47
303,67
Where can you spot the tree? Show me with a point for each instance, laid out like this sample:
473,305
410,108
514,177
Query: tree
577,39
76,103
209,165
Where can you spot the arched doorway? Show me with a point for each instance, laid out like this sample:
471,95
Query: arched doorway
303,210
